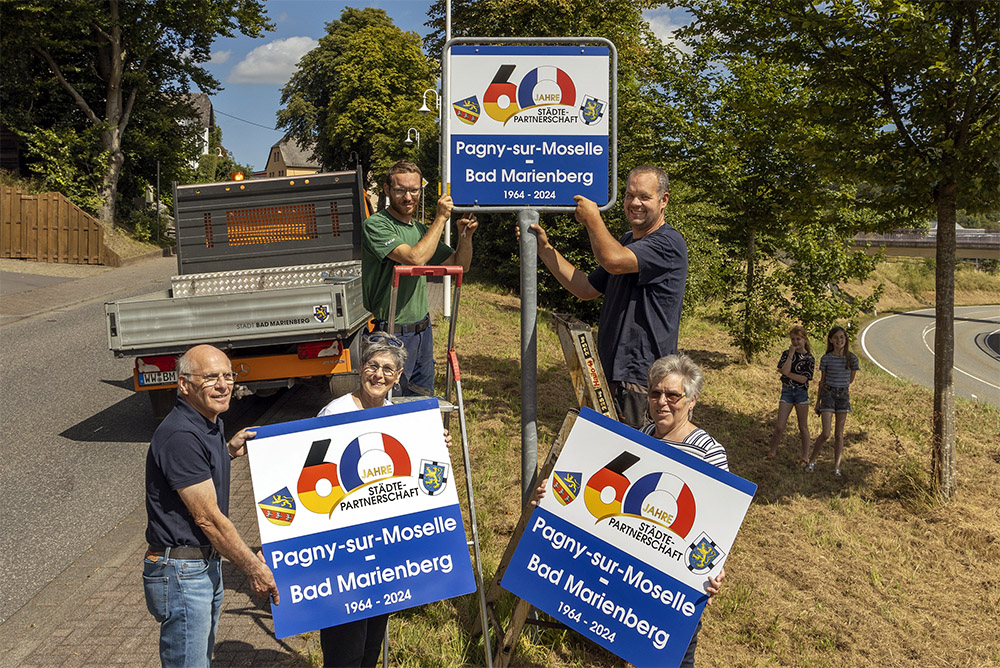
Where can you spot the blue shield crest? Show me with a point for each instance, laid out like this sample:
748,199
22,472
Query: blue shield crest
467,110
702,555
321,312
592,110
433,476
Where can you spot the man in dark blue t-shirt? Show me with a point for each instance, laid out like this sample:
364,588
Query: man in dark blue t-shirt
187,507
641,276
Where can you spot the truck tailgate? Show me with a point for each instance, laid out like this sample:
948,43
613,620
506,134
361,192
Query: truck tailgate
263,317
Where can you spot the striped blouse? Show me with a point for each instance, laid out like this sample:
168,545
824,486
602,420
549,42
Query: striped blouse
838,370
699,444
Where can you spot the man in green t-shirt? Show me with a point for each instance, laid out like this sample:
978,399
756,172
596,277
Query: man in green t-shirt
392,237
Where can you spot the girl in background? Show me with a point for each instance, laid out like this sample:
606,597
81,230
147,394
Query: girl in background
796,368
837,370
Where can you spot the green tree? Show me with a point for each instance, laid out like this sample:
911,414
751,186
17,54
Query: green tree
355,95
782,229
109,55
910,102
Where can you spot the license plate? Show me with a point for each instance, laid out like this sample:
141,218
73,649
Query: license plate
157,378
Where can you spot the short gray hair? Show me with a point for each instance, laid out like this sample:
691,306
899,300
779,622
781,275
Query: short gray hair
662,180
381,342
682,365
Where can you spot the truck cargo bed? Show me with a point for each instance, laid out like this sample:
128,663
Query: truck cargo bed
241,309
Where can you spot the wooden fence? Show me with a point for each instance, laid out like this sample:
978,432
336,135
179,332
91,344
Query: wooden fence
47,228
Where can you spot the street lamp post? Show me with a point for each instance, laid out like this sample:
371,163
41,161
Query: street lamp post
410,133
425,109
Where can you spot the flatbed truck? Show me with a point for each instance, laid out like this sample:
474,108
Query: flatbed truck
269,271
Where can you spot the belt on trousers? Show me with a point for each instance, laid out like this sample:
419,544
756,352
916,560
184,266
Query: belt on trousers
181,552
414,328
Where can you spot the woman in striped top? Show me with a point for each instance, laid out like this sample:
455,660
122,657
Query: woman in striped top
837,369
675,382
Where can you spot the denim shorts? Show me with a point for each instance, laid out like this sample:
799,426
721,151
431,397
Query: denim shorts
835,400
794,395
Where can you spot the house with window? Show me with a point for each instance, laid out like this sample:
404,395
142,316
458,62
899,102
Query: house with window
287,159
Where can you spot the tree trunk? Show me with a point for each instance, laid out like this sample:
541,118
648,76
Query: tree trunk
112,141
943,439
748,309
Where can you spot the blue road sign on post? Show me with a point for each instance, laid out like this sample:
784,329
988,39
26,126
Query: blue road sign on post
529,126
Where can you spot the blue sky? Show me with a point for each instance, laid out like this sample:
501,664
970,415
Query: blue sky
253,71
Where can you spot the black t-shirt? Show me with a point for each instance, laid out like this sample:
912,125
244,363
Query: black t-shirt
642,311
186,449
802,364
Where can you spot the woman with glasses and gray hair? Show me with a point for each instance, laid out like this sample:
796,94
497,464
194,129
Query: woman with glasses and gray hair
358,643
674,383
381,363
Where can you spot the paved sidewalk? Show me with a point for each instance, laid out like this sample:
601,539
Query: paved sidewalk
94,613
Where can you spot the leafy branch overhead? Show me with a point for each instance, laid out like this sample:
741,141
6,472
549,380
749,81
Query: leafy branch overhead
113,59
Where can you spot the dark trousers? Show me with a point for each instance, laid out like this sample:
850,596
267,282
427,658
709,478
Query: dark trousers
354,644
632,405
688,660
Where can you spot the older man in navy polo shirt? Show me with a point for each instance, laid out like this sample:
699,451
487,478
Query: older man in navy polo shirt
187,506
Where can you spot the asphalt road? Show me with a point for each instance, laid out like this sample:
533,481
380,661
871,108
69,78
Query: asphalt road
74,436
903,345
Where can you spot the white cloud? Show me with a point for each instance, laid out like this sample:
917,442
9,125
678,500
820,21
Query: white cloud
220,57
272,63
663,23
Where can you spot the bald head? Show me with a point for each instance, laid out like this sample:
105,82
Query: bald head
201,381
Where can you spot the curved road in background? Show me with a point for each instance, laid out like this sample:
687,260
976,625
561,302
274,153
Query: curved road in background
902,344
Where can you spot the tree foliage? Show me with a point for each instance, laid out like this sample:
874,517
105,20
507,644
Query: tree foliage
355,95
109,59
744,136
910,100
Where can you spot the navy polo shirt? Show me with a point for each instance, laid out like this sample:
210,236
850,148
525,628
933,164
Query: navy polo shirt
642,311
186,449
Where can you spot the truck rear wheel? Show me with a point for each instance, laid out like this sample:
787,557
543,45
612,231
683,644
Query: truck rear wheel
162,402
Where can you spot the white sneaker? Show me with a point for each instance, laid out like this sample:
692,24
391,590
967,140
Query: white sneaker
810,467
836,472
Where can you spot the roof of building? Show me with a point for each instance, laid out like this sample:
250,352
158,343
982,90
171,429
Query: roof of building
202,105
295,156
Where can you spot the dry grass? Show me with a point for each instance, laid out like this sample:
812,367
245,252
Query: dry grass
864,570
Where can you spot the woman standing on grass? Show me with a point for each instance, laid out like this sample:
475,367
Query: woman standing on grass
796,368
837,370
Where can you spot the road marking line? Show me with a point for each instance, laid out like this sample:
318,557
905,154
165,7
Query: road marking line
955,368
864,348
923,337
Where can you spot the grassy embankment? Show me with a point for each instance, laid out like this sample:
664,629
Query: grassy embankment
862,570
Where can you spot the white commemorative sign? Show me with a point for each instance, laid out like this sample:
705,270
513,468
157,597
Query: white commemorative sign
358,515
621,547
528,125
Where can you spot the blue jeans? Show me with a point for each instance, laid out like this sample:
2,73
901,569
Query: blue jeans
185,597
418,371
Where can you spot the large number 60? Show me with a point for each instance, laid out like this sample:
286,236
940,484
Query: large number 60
613,476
